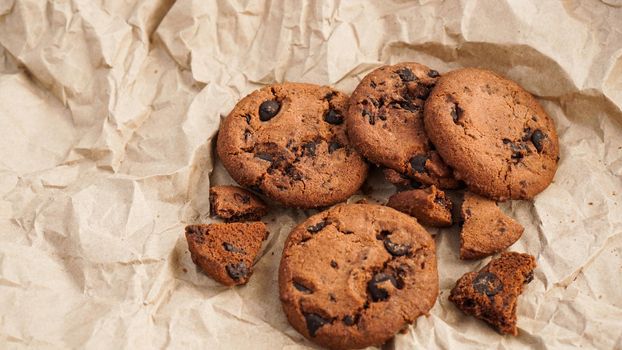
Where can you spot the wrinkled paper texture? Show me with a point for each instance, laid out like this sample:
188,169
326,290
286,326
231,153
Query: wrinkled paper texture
108,110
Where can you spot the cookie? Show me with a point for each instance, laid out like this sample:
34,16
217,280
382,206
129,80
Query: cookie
493,134
385,122
289,142
429,206
486,229
491,294
226,252
233,203
356,274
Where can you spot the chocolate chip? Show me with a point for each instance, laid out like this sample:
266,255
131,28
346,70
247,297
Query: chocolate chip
396,249
242,197
433,74
405,104
318,227
308,149
487,283
314,322
372,119
237,271
293,173
264,156
456,113
406,75
247,134
383,234
372,84
329,96
268,109
302,288
248,118
526,134
418,163
517,156
377,292
349,320
536,139
333,117
231,248
333,146
333,264
506,141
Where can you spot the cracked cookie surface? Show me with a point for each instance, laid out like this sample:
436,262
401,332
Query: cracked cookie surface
289,142
493,134
356,274
385,123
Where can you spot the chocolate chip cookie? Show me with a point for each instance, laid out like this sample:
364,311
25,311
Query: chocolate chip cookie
233,203
493,133
226,252
356,274
430,206
486,229
289,142
385,122
491,294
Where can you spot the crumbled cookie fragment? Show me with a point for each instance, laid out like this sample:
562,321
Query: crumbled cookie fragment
226,252
486,229
430,206
233,203
491,294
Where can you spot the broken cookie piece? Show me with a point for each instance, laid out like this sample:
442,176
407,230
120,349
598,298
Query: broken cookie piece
233,203
491,294
430,206
486,229
226,252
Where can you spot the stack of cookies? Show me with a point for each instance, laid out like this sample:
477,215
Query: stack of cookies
354,275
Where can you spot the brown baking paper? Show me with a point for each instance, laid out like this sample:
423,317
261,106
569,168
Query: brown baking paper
108,110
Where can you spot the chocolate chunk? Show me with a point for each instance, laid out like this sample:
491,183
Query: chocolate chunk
318,227
456,113
329,96
308,149
237,271
396,249
433,74
536,139
333,146
333,264
293,173
242,197
488,283
517,156
349,320
406,75
247,134
377,292
314,322
372,84
302,288
268,109
231,248
248,118
405,104
372,119
264,156
333,117
418,163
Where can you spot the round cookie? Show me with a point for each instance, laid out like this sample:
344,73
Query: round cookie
356,274
493,133
385,122
289,142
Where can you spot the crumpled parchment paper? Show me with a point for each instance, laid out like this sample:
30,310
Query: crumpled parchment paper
108,110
